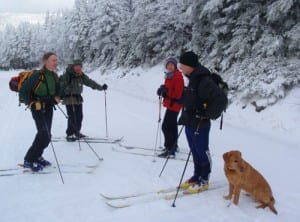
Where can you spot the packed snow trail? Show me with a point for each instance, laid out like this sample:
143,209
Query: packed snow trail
32,197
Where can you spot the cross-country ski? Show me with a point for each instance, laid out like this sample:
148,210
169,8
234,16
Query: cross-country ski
88,139
145,154
129,147
116,197
142,198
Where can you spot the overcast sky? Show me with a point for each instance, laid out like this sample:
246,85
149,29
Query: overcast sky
34,6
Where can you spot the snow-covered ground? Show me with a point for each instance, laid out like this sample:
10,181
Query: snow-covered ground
268,140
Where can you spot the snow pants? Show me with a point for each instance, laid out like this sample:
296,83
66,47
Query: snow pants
75,119
198,141
170,129
43,123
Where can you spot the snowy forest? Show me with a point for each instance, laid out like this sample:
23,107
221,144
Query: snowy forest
254,44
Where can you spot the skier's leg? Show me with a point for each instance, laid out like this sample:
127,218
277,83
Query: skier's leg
168,129
203,159
48,117
79,117
71,120
41,139
173,130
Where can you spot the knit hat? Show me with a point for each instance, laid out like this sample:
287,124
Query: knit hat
77,62
171,60
189,59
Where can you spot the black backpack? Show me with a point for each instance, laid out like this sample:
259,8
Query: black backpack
218,107
212,108
220,82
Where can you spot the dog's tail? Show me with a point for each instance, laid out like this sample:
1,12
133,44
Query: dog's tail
271,205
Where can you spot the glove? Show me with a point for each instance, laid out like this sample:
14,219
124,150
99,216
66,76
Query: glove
104,86
162,91
35,105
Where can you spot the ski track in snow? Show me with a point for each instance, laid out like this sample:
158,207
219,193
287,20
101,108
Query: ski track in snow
133,113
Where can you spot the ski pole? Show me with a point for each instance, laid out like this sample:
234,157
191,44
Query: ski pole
89,145
187,161
57,163
168,157
160,146
55,156
221,122
159,118
93,150
62,111
158,127
105,103
178,188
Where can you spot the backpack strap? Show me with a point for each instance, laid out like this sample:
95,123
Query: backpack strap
47,86
37,84
40,79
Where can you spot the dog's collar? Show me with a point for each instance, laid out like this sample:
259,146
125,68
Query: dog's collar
232,170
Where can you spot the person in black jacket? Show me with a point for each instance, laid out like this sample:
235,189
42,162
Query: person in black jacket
199,96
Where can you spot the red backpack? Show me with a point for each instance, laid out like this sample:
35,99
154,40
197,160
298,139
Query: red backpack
16,82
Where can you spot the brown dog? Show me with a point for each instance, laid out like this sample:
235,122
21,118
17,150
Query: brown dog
241,175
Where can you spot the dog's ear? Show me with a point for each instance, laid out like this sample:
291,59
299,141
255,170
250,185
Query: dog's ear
226,156
242,165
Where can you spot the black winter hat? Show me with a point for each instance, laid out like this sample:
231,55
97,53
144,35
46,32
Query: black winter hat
189,59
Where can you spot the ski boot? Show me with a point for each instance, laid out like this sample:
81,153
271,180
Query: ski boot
34,166
80,136
43,162
190,182
71,138
198,187
166,154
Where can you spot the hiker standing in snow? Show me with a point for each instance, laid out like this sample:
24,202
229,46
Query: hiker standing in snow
171,91
202,98
40,93
71,87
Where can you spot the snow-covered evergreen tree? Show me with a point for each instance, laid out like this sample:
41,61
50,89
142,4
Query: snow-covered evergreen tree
77,25
157,29
251,42
103,32
254,44
9,48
